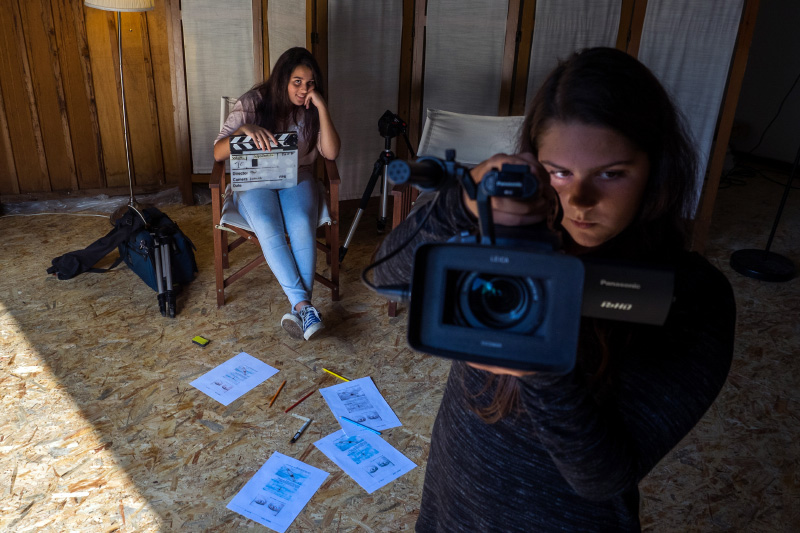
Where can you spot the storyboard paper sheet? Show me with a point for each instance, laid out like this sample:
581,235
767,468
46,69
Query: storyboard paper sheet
277,493
367,458
233,378
360,401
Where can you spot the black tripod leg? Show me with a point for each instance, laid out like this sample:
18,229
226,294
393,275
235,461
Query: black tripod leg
377,171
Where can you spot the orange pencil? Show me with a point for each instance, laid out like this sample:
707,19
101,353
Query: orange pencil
276,394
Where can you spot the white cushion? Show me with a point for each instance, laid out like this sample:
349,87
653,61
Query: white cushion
474,137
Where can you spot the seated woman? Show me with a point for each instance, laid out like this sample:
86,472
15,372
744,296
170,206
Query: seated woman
290,100
540,451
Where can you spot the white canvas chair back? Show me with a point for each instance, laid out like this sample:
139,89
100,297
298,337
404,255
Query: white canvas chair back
230,215
226,107
474,137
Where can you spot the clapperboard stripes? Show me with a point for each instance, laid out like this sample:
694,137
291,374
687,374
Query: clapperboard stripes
244,143
253,168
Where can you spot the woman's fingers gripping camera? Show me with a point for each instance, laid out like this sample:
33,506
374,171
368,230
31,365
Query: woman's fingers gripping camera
513,211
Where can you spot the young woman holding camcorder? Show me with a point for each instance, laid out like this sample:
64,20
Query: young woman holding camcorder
291,99
515,450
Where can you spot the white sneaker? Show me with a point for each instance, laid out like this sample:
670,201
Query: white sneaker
293,325
312,321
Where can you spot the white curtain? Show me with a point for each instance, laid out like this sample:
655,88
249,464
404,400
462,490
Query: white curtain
464,55
218,46
286,21
689,45
566,26
363,78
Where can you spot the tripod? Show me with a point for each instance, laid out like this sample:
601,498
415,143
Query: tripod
390,125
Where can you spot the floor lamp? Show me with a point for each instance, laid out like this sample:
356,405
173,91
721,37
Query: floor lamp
119,6
763,264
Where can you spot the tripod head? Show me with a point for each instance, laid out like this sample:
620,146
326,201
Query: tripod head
390,126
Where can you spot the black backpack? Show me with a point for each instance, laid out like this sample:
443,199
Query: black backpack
150,243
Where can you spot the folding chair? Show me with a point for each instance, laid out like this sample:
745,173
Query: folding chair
475,139
227,220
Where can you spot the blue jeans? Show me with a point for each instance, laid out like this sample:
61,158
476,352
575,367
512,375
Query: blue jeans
274,213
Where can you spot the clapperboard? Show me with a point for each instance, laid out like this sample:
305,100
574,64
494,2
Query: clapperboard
252,168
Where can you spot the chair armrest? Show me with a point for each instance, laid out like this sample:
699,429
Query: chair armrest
333,181
217,179
217,185
332,172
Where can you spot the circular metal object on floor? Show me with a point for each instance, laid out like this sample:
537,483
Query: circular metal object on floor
763,265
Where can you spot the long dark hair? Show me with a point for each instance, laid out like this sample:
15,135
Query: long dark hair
275,108
608,88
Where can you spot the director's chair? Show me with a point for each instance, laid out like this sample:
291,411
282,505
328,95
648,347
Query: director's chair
227,221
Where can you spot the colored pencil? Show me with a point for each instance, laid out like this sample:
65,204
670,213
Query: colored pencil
335,374
361,425
276,394
295,404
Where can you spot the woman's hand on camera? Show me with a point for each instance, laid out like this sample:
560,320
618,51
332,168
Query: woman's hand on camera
512,211
261,136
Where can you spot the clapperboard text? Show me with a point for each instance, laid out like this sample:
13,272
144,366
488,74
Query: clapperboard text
253,168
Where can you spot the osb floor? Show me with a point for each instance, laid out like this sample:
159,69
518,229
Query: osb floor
101,431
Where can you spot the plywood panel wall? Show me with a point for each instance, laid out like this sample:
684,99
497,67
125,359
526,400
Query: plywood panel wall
61,124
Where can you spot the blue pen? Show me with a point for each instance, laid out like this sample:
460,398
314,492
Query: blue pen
361,425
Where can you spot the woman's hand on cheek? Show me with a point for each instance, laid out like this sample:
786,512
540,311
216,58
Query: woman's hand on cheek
511,211
314,98
502,370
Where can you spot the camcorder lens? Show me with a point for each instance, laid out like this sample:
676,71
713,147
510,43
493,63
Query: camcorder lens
490,301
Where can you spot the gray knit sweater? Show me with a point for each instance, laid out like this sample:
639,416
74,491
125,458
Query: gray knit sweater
571,458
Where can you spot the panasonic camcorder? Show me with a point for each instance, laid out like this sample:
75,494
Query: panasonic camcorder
513,299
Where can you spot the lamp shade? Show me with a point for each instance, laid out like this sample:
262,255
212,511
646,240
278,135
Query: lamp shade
120,5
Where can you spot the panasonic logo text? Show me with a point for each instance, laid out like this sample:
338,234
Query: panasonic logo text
619,284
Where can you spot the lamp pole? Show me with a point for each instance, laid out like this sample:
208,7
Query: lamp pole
119,6
763,264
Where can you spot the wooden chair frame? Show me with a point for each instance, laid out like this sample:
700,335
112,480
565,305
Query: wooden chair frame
222,247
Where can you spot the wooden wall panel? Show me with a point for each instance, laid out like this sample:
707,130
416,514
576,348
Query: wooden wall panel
83,129
513,21
160,29
20,109
724,125
8,185
101,35
519,89
635,26
48,90
140,98
404,82
60,109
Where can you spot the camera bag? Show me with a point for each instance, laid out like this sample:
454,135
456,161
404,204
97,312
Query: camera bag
138,251
135,235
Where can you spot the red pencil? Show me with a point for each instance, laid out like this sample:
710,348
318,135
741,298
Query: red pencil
295,404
